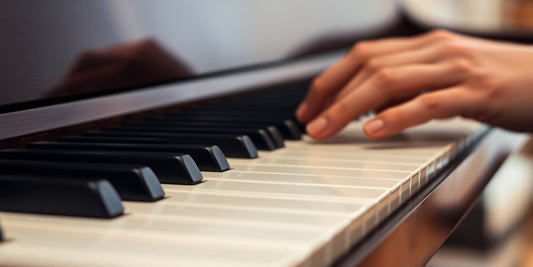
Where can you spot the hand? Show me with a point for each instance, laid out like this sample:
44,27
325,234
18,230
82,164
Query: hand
436,75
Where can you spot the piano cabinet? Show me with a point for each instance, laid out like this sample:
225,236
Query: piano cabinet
412,232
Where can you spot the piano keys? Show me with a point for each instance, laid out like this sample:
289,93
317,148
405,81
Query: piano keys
263,140
304,204
240,146
169,167
136,183
295,202
59,196
206,157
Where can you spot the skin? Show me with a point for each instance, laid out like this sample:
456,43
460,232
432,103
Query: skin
410,81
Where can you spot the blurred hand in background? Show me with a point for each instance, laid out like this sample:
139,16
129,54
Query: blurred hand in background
135,64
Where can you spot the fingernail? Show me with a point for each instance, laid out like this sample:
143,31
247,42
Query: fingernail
374,126
302,109
317,126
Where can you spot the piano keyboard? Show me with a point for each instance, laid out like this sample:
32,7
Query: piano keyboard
299,203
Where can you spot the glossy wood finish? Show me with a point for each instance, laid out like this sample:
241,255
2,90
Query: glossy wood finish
24,122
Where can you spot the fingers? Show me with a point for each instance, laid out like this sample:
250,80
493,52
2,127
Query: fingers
334,78
381,88
428,54
444,103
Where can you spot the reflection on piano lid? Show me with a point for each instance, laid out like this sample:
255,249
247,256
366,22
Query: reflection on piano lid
97,48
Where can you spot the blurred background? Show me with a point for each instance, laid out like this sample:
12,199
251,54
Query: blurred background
497,17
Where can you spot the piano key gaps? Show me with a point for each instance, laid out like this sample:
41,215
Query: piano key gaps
304,204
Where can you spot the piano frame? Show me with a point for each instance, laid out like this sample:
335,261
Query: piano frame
393,238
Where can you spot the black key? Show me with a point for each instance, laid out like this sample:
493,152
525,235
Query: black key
249,111
235,153
286,123
170,168
255,114
208,158
272,131
215,111
135,183
286,126
256,107
289,133
260,138
239,146
59,196
301,126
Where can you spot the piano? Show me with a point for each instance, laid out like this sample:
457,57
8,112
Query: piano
163,134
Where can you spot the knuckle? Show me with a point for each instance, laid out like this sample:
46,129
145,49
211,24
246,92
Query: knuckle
372,65
397,116
340,111
491,87
317,86
488,85
491,83
386,76
429,102
456,48
440,34
343,107
360,51
464,65
360,48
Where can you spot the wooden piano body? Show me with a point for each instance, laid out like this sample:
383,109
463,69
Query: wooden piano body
347,201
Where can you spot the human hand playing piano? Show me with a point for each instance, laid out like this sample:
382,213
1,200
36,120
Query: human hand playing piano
410,81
